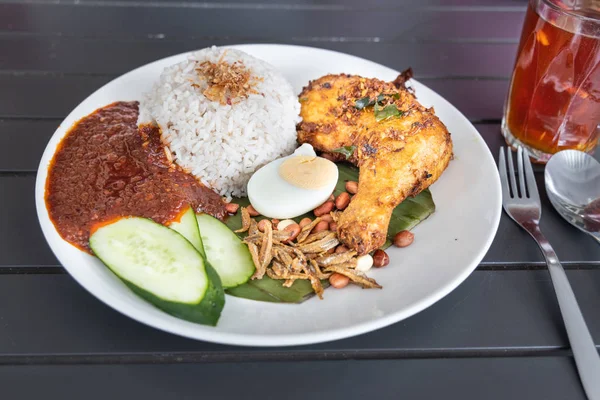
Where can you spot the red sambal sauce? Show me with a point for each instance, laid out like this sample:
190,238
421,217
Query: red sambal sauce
106,168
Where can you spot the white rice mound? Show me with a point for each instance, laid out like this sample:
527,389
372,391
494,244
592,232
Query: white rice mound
222,145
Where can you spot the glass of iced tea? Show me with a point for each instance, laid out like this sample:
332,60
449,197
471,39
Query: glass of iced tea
553,102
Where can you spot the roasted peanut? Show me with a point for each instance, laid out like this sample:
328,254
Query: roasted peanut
327,217
324,208
232,208
331,250
252,211
284,224
341,249
294,229
342,201
380,258
364,263
338,281
403,238
352,187
262,223
275,222
321,226
304,222
333,226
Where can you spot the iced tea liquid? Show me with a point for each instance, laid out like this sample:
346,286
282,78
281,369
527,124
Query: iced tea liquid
554,97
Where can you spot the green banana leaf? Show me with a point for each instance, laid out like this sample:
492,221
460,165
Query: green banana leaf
272,290
406,216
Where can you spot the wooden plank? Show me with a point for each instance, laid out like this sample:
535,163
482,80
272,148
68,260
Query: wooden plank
490,5
495,313
540,378
55,95
548,378
168,22
45,95
22,143
21,240
103,56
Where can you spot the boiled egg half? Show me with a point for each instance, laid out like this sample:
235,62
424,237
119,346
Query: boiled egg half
292,185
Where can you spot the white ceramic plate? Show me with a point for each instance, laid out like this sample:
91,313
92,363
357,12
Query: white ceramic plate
448,246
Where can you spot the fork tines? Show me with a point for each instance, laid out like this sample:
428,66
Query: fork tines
527,187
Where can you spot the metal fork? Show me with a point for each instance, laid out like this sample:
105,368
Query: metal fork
521,202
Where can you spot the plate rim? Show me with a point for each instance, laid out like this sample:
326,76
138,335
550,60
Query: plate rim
253,339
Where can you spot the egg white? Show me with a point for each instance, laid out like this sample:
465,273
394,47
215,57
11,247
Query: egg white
274,197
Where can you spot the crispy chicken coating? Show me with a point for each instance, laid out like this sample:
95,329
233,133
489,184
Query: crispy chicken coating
400,147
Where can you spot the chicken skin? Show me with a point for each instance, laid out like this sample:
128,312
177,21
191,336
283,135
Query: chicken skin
399,146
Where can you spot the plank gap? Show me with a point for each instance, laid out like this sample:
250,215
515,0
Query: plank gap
495,267
271,6
153,37
270,356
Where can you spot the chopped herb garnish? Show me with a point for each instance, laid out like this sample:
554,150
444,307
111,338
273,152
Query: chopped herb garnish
389,111
381,112
347,151
362,103
366,101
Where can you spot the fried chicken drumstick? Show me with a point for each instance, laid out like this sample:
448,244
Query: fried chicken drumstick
399,146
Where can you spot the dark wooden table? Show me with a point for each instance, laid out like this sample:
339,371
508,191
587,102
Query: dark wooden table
499,335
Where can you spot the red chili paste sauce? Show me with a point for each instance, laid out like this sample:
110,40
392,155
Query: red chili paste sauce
106,168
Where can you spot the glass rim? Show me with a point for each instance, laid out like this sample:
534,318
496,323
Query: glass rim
570,13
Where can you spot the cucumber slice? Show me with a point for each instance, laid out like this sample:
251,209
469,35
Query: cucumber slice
225,251
162,267
207,312
187,226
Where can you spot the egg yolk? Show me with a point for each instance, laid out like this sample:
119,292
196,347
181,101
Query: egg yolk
308,172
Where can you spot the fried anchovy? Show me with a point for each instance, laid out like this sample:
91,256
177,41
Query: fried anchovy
266,255
278,269
255,239
320,274
316,236
281,236
245,221
283,255
320,246
314,281
355,276
336,258
297,265
306,230
279,272
253,230
259,273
